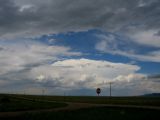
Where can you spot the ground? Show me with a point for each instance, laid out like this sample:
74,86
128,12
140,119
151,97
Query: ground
68,107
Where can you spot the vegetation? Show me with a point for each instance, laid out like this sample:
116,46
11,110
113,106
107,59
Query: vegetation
37,102
139,100
11,103
100,113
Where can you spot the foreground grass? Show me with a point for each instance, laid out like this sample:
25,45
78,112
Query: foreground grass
100,113
8,103
30,102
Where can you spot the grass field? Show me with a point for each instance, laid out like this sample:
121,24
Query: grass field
12,103
32,102
142,101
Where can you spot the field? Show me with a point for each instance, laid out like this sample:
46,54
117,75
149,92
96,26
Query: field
32,107
13,103
97,113
142,101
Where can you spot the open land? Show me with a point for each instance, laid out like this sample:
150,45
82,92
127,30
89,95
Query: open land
37,107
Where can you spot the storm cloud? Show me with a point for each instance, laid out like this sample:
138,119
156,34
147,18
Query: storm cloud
132,18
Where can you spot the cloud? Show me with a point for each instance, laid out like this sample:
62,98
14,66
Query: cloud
150,86
130,77
79,75
85,73
136,19
148,37
24,55
116,46
31,60
154,78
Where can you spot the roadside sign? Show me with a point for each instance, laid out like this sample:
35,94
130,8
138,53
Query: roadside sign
98,91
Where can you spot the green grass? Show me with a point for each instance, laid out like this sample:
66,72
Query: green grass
16,104
142,101
100,113
31,102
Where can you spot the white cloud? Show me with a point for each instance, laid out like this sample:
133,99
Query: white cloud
74,74
40,78
26,7
147,37
18,56
150,86
130,77
110,44
85,73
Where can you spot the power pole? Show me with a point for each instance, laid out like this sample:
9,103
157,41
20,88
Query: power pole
110,84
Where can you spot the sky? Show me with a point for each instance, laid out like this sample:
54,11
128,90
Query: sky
72,47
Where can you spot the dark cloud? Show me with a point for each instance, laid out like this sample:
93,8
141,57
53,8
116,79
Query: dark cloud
40,17
8,16
154,78
1,48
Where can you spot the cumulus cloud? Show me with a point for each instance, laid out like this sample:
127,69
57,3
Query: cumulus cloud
78,74
85,73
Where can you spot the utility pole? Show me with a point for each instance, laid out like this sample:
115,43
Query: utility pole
110,84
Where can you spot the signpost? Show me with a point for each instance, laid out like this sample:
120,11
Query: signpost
98,91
